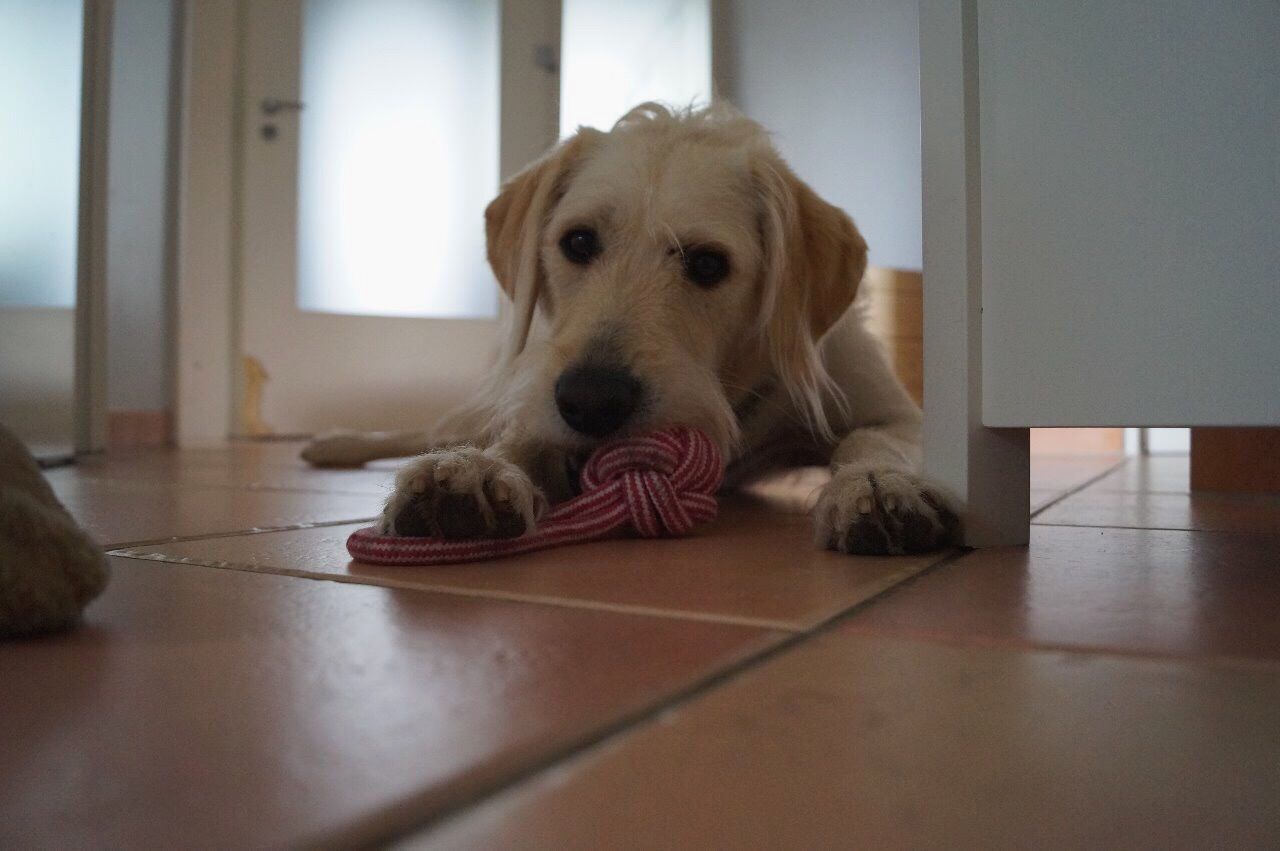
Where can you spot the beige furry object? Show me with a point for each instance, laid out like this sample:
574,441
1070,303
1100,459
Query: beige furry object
49,567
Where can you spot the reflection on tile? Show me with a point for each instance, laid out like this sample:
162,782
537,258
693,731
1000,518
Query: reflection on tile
117,512
753,565
1065,472
793,491
857,742
1248,513
1150,474
1127,590
229,709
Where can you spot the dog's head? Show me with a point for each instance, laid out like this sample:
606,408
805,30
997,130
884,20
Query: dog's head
675,266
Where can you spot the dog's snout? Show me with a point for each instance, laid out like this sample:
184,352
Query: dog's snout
597,401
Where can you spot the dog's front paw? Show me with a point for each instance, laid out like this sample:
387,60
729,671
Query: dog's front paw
462,492
865,511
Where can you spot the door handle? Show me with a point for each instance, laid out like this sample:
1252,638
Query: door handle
271,106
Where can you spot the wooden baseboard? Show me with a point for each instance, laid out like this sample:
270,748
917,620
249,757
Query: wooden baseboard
1235,459
139,429
895,315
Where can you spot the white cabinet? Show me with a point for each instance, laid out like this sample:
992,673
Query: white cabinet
1101,227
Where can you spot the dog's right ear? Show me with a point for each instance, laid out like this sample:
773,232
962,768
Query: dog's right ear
513,229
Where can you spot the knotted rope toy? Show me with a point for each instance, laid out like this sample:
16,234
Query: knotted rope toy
660,485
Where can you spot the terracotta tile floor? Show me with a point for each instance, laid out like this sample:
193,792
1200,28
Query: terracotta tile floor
242,683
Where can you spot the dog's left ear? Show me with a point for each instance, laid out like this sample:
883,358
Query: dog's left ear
513,229
814,260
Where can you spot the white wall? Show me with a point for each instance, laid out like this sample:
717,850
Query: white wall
839,84
138,292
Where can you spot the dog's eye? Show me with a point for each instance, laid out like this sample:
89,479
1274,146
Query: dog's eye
706,267
580,246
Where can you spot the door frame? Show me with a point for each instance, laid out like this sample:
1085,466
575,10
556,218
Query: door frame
987,468
90,387
208,35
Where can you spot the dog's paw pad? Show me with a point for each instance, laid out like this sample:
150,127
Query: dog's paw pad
411,520
864,537
459,515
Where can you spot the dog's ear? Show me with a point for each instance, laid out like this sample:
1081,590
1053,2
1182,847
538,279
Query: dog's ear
513,229
814,260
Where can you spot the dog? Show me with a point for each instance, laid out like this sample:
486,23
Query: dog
671,270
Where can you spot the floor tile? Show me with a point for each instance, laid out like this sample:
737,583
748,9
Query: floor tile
217,708
1133,591
1247,513
1150,474
856,742
261,465
1064,472
753,565
117,512
1042,499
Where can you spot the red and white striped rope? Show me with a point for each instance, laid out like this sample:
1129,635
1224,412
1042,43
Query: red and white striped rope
662,484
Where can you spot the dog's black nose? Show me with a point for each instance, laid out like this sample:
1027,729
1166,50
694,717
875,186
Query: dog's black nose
596,400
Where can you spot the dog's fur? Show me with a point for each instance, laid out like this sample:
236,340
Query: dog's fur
773,361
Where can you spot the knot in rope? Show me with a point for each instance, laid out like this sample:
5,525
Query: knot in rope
667,479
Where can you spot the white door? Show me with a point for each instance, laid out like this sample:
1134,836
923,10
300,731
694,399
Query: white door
41,52
373,133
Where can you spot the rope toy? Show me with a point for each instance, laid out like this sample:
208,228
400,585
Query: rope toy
660,485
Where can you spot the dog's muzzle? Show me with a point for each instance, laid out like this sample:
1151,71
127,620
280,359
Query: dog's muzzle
597,400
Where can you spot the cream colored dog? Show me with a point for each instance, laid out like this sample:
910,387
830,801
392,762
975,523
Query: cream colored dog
673,270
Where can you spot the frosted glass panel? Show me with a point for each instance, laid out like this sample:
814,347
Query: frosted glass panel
618,53
398,156
40,47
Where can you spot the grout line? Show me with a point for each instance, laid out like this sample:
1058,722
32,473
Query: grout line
622,727
249,486
172,478
1093,651
615,734
1242,533
869,592
1073,491
477,593
401,818
129,551
122,548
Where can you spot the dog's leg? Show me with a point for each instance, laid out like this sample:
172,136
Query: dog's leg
876,503
353,448
468,492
